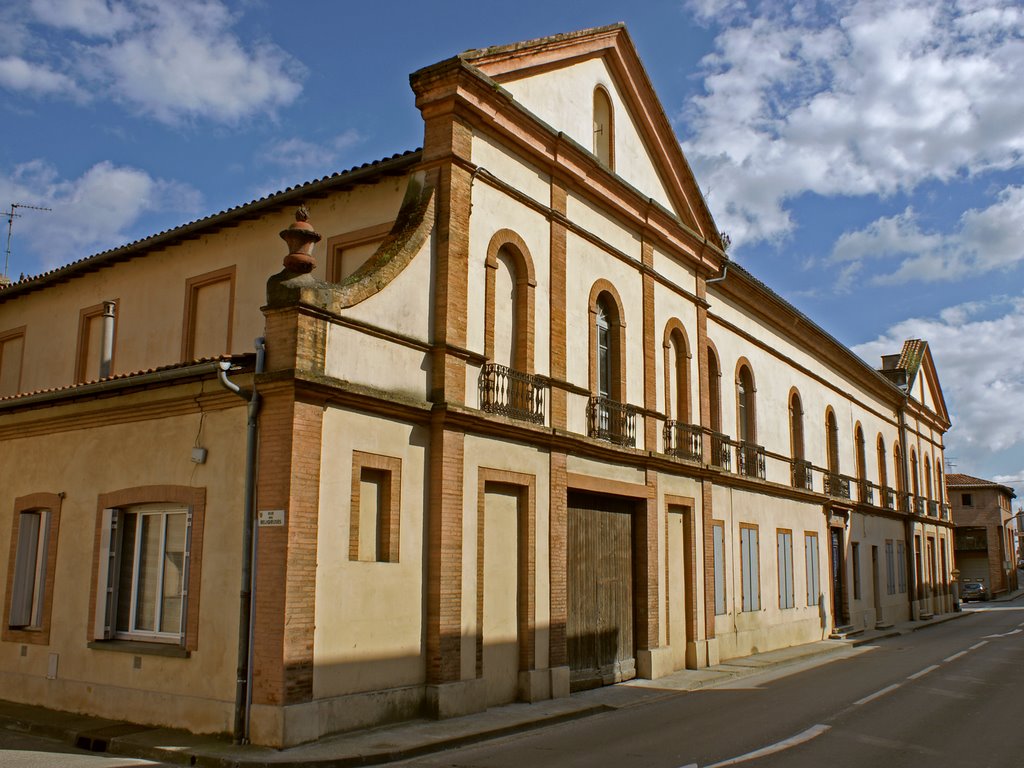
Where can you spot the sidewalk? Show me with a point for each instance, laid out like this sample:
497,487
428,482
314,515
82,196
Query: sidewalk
410,739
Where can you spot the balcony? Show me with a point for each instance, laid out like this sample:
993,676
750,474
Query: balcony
511,393
933,508
750,460
612,421
721,453
918,505
801,474
945,511
682,440
837,486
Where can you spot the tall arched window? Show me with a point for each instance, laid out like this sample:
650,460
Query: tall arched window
883,475
506,330
746,422
940,490
801,471
832,441
609,418
862,466
604,127
604,349
714,391
509,288
677,376
915,482
897,462
928,478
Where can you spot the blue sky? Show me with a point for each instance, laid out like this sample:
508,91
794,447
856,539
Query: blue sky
866,158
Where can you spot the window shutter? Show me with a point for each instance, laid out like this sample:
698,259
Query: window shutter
106,577
25,569
185,575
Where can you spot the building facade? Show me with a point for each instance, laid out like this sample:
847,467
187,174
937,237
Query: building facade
985,536
517,427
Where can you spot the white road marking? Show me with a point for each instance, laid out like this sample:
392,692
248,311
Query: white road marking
812,732
955,656
876,694
923,672
976,646
1007,634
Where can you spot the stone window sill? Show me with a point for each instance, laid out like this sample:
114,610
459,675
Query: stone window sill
140,648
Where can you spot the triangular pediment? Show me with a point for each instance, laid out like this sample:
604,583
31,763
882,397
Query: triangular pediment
922,377
555,78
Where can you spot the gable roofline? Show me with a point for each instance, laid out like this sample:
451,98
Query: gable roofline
612,42
396,165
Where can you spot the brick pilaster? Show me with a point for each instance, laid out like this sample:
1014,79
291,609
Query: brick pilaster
289,479
558,537
557,305
645,550
444,554
650,370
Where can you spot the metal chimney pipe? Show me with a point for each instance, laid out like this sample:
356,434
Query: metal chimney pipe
107,340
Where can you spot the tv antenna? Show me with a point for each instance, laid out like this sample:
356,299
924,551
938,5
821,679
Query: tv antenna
11,214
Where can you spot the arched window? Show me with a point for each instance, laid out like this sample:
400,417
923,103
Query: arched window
897,461
677,375
604,127
940,490
604,348
928,478
746,423
801,467
714,391
506,330
883,477
609,417
915,482
509,290
862,466
832,441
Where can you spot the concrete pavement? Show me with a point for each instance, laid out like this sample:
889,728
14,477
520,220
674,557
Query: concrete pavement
410,739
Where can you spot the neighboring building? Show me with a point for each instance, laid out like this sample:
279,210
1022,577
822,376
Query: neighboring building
522,429
985,546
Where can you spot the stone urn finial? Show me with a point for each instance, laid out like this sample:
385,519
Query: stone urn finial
300,238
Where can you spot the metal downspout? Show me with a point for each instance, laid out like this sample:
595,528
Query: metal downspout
246,593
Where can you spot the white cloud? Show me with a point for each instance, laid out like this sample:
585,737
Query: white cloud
17,74
91,213
301,155
94,18
863,97
985,240
170,61
977,354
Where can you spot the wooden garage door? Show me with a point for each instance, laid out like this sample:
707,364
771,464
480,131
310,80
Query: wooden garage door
600,590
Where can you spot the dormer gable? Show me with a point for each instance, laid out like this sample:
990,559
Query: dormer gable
591,87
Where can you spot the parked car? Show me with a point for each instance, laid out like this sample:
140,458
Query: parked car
974,589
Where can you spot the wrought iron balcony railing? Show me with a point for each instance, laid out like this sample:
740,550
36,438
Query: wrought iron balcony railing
721,453
888,498
682,440
906,503
933,508
612,421
750,460
866,492
511,393
918,505
837,486
801,474
945,511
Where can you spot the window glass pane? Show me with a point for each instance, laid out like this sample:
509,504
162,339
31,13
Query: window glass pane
174,573
26,569
127,573
149,573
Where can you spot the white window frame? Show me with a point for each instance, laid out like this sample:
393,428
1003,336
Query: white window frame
28,593
110,565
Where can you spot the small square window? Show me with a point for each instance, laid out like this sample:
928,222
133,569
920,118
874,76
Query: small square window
967,500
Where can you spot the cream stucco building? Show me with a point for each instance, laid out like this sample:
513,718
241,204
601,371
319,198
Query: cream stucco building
519,428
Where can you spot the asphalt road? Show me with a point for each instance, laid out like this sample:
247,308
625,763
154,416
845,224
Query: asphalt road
944,697
21,750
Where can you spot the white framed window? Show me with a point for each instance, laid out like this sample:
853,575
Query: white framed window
750,568
811,562
143,575
784,544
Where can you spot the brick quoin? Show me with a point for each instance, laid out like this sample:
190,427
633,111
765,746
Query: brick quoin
650,373
557,359
707,510
558,534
